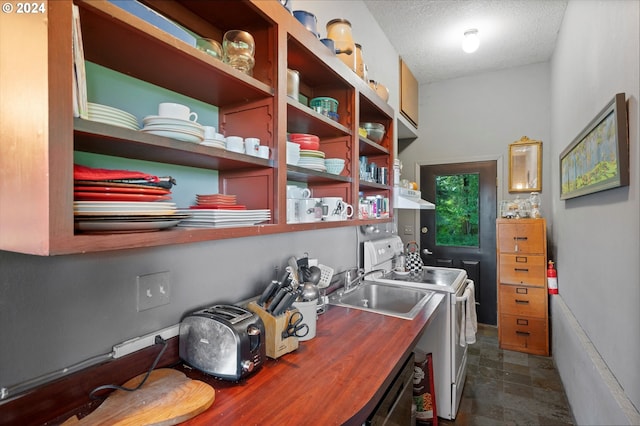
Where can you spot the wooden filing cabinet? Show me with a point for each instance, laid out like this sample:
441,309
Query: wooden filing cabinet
523,321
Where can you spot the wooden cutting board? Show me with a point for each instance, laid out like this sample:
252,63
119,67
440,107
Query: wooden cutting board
168,397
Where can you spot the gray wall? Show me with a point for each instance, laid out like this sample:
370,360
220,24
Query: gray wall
475,118
58,311
596,318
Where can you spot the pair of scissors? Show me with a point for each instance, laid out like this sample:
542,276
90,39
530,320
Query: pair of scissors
294,328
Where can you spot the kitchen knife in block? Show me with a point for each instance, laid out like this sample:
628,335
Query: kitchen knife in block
275,345
277,297
168,397
268,292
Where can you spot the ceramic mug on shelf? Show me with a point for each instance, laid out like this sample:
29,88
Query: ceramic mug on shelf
251,146
309,210
235,144
294,191
337,209
292,210
179,111
209,132
264,152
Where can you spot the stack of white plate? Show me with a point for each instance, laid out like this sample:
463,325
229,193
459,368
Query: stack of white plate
222,218
175,128
312,159
114,116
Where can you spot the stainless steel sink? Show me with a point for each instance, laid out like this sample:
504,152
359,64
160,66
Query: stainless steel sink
386,299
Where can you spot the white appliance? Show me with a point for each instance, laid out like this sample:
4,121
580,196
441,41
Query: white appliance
442,336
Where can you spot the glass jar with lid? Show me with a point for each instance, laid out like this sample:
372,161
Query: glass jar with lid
534,199
339,30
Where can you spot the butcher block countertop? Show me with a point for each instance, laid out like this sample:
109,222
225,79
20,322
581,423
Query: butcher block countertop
336,378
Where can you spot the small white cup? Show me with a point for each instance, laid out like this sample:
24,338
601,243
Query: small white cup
263,151
251,146
209,132
235,144
179,111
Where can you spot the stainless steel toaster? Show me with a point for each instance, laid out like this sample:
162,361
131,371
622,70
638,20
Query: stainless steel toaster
225,341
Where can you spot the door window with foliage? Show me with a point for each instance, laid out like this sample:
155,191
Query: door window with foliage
457,201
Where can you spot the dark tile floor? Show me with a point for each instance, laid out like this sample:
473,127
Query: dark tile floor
509,388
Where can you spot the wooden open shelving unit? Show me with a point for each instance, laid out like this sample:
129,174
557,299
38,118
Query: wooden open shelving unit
39,134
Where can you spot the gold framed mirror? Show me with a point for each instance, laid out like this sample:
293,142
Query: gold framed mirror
525,165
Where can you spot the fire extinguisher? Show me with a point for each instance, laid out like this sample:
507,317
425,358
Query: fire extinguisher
552,279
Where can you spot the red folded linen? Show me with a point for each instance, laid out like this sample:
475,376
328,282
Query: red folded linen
89,173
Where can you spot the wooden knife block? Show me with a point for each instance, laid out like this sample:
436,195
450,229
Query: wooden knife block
275,345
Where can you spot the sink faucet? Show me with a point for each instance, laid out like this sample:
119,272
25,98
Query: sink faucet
351,284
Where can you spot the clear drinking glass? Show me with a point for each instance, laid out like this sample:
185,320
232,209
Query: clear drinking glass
239,48
210,46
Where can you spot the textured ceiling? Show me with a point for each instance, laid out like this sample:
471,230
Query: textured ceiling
427,34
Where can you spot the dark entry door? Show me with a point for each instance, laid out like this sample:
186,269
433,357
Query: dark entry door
461,231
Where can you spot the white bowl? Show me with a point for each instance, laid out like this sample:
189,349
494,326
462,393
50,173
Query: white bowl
334,161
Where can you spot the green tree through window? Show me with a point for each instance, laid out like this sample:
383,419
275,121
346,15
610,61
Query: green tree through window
457,200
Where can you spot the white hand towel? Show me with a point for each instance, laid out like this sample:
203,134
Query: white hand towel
468,319
472,320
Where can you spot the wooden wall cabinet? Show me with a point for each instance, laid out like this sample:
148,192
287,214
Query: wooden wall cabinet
39,134
523,322
409,94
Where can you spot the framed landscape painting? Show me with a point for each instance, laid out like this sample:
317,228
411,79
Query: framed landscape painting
598,158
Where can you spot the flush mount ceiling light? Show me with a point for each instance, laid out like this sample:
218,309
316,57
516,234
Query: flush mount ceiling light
471,42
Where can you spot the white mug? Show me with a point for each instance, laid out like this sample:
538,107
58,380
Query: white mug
209,132
263,152
292,210
294,191
179,111
235,144
251,146
337,209
309,210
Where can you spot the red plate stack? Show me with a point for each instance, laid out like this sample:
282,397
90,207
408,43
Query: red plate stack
306,141
217,202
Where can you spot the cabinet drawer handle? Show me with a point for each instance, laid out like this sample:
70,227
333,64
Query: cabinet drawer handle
521,269
523,333
522,302
520,238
